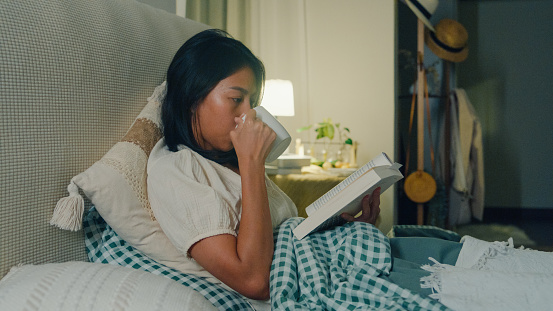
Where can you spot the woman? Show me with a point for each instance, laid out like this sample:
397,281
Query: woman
206,179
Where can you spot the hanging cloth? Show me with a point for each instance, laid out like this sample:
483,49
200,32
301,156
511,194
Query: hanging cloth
466,196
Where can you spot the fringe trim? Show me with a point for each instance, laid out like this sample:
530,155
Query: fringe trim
434,280
68,213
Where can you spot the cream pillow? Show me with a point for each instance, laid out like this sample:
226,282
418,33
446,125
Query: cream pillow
92,286
116,186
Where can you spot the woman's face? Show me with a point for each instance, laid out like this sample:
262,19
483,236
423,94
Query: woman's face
215,115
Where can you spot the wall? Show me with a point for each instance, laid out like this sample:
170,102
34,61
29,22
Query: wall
509,79
341,58
351,69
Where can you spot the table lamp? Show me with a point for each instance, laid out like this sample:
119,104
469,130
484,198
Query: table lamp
278,98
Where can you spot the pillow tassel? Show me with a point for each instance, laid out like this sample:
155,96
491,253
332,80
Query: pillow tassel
68,213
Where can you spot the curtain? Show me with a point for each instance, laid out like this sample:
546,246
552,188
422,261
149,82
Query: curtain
233,16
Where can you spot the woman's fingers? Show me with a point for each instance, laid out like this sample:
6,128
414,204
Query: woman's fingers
347,217
252,137
374,206
370,207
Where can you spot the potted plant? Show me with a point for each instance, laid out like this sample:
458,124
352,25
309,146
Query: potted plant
327,130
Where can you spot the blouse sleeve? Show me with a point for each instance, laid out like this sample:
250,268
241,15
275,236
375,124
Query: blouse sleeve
189,199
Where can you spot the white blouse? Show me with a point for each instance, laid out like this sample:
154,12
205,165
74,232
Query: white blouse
194,198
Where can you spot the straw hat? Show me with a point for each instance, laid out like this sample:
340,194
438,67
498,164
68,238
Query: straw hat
449,41
423,9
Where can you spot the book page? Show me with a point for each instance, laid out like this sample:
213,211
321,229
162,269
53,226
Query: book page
380,160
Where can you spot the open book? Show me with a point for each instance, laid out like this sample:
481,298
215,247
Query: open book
346,197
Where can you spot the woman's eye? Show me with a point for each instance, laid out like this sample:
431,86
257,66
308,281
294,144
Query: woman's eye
238,100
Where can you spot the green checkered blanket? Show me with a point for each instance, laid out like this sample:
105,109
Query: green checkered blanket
338,269
103,245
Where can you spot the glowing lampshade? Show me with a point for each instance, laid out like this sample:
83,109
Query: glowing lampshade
278,97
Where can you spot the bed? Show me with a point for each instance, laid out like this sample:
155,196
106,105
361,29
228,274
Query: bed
80,82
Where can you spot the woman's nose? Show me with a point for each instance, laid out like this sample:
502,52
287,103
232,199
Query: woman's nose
245,106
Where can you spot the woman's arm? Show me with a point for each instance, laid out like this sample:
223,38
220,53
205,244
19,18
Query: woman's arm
243,262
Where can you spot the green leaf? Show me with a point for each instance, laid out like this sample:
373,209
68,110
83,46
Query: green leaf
348,141
326,129
301,129
320,133
330,131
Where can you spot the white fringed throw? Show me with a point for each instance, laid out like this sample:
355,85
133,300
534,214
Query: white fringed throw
493,276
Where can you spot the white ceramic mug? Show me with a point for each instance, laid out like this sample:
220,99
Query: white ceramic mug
282,140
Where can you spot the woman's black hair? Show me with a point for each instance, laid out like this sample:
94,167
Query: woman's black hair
198,66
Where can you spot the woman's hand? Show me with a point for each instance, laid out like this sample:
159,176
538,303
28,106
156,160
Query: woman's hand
252,139
370,209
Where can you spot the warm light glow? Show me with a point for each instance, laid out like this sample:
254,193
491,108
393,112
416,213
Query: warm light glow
278,97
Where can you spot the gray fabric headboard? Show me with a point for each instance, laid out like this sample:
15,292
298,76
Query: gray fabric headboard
73,76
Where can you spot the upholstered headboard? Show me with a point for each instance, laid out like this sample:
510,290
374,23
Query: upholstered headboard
73,76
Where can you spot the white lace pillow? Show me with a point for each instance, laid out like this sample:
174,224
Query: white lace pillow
116,186
93,286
